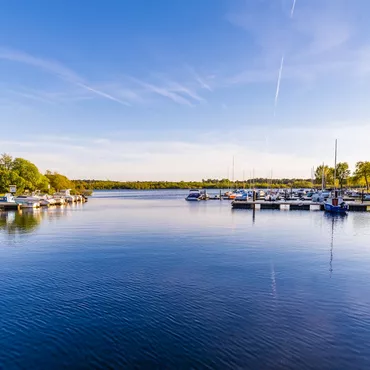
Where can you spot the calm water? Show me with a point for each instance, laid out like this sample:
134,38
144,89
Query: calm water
147,280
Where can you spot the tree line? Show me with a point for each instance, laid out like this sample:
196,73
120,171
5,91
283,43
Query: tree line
360,177
26,176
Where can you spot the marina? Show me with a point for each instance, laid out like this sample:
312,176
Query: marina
35,200
294,206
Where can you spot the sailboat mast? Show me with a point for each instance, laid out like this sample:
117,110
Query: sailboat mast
228,178
335,162
233,171
271,181
322,176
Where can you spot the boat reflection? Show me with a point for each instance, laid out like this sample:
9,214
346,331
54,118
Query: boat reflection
334,220
28,220
19,222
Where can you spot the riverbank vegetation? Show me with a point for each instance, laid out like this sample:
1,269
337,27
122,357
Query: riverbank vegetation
26,176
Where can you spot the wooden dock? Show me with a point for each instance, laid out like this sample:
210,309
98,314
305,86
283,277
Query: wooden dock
10,207
295,205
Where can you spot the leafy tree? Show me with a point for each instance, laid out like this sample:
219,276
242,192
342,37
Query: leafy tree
30,173
363,172
6,162
58,181
11,178
328,175
343,173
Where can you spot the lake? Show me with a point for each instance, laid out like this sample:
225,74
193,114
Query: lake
143,279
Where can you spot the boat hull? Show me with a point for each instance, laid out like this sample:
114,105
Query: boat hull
336,209
192,199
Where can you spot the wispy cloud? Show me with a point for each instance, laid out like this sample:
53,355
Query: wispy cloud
278,83
103,94
181,89
56,69
317,43
201,81
46,96
174,91
292,10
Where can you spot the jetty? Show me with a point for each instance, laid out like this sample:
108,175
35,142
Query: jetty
10,207
294,205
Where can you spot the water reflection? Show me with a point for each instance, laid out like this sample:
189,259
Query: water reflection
28,220
19,222
334,220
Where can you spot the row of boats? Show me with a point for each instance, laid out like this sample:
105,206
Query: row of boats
36,200
332,200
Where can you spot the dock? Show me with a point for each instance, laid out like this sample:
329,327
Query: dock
295,205
10,207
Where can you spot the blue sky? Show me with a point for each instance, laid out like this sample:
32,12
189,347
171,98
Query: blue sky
143,89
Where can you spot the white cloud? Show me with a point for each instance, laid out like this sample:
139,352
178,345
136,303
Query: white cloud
321,40
55,68
290,152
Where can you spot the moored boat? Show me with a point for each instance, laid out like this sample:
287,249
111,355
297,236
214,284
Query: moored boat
196,195
7,200
336,204
59,199
26,201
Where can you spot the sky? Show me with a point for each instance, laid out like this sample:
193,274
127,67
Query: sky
174,90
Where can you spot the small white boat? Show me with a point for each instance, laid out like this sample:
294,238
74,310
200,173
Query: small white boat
7,199
59,199
196,195
69,198
320,196
26,201
45,200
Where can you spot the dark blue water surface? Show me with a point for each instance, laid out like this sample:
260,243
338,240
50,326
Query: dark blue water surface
146,280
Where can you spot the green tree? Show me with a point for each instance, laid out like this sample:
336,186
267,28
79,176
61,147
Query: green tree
58,181
328,175
343,173
363,172
6,162
30,173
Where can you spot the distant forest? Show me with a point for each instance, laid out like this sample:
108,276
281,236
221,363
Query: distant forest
204,184
360,177
27,177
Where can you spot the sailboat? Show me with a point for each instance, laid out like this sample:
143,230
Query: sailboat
335,203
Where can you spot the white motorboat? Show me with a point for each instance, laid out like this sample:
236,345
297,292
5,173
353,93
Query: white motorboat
195,195
69,198
59,199
7,199
320,196
26,201
45,200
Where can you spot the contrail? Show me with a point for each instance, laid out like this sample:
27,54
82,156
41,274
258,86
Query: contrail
293,7
278,82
